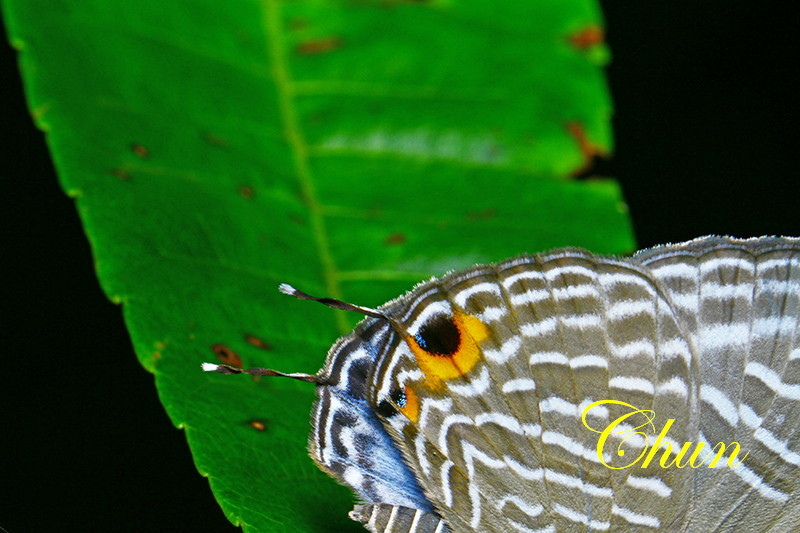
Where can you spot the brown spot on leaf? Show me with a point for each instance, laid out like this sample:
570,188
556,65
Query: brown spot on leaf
124,175
246,191
319,46
140,151
483,214
590,151
214,140
587,37
396,238
257,342
226,355
258,425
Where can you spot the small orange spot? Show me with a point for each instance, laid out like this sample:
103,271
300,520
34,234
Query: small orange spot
257,342
246,191
411,408
156,356
587,37
226,355
440,368
124,175
140,151
258,425
589,150
319,46
395,238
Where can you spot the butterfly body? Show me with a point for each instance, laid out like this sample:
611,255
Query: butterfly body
463,410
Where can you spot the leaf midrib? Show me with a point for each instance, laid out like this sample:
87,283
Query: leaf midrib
297,142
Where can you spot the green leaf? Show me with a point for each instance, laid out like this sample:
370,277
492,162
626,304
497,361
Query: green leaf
352,149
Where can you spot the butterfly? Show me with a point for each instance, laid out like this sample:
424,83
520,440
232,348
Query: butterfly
568,391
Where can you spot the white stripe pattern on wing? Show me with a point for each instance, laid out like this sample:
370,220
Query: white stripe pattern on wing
635,518
507,350
652,484
461,297
588,361
633,348
536,329
632,383
529,509
720,402
529,297
675,385
474,387
723,335
771,379
629,308
748,476
580,518
519,385
432,309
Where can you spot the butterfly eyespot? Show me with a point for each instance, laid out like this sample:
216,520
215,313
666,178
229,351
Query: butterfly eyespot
388,408
399,397
403,401
447,347
439,336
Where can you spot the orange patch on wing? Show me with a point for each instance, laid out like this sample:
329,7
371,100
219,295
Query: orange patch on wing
411,408
439,368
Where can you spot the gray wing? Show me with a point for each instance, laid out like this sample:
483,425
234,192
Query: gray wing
704,333
739,301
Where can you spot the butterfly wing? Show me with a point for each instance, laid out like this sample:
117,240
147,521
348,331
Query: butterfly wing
347,440
740,301
493,367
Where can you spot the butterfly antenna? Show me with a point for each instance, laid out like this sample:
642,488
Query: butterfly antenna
227,369
285,288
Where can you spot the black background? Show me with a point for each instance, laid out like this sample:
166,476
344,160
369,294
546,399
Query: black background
707,142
